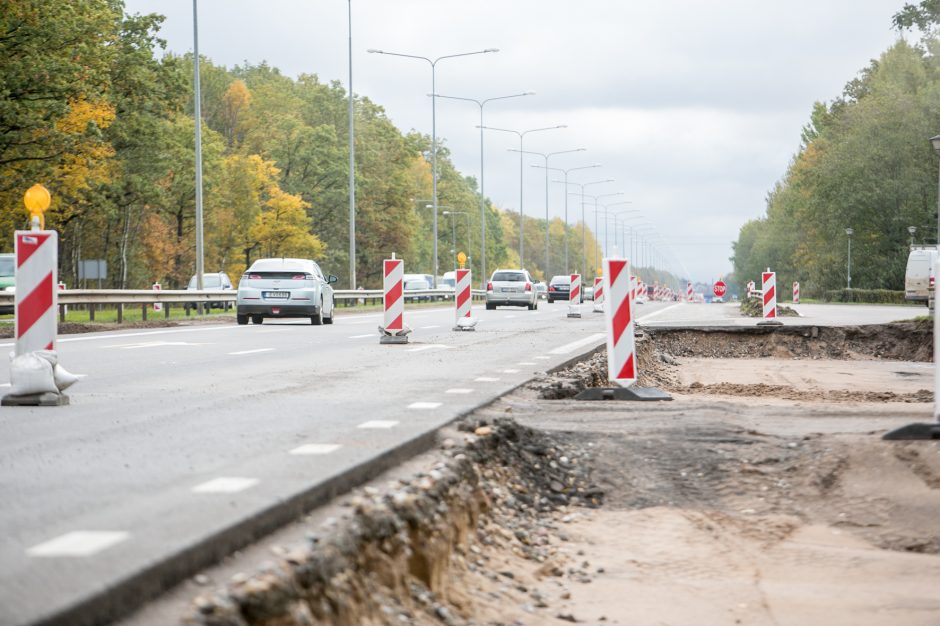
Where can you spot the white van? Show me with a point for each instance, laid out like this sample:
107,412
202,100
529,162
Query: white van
919,277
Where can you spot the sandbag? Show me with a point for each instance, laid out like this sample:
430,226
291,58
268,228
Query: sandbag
31,373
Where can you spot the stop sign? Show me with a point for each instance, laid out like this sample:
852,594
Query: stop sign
719,289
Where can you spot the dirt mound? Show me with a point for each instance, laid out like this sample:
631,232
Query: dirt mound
754,307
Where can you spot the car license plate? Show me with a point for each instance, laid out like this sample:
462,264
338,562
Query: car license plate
508,289
277,295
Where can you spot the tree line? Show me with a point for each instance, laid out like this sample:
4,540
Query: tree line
864,163
94,108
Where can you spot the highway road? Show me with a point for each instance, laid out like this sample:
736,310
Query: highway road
182,444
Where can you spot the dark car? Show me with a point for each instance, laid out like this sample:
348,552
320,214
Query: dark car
558,288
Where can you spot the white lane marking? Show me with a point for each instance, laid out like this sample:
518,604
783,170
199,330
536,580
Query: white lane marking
225,484
353,320
378,424
153,344
574,345
430,327
542,358
256,351
459,391
485,379
363,336
526,363
424,405
79,543
5,385
316,448
659,312
121,335
430,346
510,371
509,317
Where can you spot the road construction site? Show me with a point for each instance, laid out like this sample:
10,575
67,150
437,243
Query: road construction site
761,494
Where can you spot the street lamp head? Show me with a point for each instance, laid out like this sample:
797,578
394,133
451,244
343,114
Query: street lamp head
491,50
374,51
446,213
527,93
935,142
849,231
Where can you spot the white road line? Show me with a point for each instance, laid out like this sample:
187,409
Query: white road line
122,335
459,391
429,327
5,385
424,405
485,379
316,448
509,317
574,345
429,346
363,336
256,351
153,344
510,371
79,543
659,312
542,358
526,363
378,424
225,484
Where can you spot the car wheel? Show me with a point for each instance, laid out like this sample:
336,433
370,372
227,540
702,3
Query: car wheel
257,319
317,318
329,320
241,319
535,305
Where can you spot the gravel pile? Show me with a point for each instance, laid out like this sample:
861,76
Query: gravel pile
754,307
395,558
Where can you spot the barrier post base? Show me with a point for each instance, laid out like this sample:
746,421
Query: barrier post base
770,323
571,314
914,432
467,328
629,394
393,339
35,399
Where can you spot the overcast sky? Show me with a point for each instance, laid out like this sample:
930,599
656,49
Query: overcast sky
694,108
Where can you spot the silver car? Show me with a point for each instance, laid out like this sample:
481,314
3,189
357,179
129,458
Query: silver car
511,288
285,288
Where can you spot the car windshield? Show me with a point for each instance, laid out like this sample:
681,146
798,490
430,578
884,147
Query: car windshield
6,266
450,282
561,280
209,281
413,285
509,277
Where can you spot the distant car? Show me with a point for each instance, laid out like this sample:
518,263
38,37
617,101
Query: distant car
559,288
919,276
416,284
285,288
542,289
7,277
587,293
211,282
448,281
511,288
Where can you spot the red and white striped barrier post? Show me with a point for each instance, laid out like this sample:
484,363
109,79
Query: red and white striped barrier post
393,298
796,292
621,344
769,285
634,284
157,306
574,296
462,296
689,292
598,294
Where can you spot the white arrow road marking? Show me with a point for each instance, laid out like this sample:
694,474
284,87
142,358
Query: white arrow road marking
316,448
252,351
378,424
574,345
79,543
424,405
225,484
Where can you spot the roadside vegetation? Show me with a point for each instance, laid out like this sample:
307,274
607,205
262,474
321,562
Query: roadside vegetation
864,163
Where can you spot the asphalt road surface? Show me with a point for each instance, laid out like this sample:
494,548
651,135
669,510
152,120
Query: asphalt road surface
181,442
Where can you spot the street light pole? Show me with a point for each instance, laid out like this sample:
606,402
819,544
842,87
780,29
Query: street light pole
481,104
566,183
352,164
433,63
547,156
935,142
197,114
912,230
849,232
521,135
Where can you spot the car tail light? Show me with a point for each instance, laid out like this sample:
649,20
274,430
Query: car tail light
302,277
932,281
254,276
528,286
552,288
489,286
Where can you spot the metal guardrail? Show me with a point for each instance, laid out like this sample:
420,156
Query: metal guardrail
92,298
